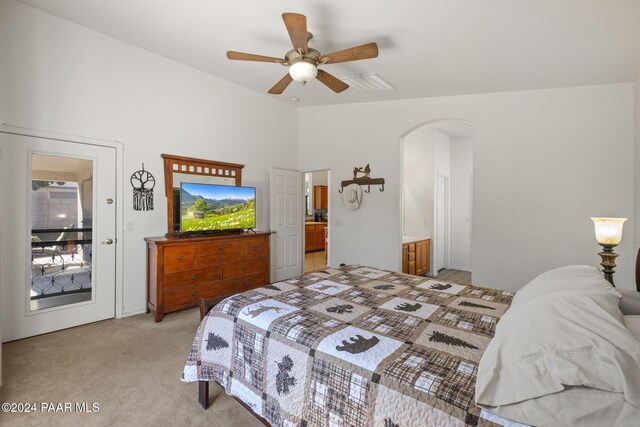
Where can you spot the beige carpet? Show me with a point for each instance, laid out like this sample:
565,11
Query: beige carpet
131,367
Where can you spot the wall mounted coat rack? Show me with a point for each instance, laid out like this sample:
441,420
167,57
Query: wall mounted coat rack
362,176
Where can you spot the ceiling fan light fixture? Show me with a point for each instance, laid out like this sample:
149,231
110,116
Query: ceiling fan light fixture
303,70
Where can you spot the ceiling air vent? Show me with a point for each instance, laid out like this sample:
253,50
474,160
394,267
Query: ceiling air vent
368,83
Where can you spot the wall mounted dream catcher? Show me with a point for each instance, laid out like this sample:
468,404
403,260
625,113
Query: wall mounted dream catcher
142,183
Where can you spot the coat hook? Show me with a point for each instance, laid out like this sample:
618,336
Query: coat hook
340,190
382,188
368,190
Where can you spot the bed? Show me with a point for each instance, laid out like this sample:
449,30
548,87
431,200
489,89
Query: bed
360,346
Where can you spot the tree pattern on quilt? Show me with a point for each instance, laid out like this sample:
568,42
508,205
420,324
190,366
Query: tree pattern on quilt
443,338
216,342
283,379
474,305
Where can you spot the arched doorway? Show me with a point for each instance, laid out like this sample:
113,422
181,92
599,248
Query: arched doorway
437,196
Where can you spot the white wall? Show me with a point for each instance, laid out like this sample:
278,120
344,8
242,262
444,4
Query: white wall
418,167
61,77
545,161
442,162
4,102
320,178
461,182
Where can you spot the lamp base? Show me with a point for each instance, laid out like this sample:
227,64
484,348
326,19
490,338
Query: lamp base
608,262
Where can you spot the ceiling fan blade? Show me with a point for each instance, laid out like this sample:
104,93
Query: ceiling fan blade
365,51
333,83
297,27
279,87
240,56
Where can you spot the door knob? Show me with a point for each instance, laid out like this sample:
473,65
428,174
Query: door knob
107,242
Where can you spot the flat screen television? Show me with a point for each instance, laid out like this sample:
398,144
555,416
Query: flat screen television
211,207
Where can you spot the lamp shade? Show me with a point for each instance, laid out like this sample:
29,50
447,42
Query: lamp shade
608,230
303,71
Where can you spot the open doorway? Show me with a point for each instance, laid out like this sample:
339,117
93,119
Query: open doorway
436,199
316,220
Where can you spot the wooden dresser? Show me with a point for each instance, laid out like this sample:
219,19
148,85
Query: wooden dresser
182,270
416,257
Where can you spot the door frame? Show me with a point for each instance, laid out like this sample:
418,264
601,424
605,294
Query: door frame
326,169
119,234
447,223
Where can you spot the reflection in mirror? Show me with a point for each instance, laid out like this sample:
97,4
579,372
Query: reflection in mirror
61,232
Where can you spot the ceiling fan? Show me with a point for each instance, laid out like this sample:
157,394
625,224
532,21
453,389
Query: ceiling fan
303,61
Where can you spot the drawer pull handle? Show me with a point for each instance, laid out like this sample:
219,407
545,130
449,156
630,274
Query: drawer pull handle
244,281
194,293
180,257
194,277
255,249
222,247
244,268
221,258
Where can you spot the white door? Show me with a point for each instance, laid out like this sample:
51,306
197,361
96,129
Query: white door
285,213
442,221
57,245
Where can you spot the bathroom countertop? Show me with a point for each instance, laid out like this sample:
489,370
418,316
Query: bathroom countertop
411,239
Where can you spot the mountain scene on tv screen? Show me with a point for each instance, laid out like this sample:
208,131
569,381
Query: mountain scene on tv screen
207,207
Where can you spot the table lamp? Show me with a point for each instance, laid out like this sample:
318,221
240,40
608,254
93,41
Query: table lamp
608,235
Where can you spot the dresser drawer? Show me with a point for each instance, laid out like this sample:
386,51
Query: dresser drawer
243,269
241,284
217,259
219,247
179,258
186,278
254,249
175,299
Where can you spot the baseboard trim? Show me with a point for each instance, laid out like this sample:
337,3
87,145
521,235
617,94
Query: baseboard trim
455,267
134,313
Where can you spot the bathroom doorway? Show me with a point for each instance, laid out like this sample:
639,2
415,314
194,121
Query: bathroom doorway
317,210
436,197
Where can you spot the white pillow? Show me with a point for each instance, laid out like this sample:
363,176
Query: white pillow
564,279
558,340
630,302
633,325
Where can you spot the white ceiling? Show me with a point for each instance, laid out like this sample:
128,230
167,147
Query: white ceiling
427,47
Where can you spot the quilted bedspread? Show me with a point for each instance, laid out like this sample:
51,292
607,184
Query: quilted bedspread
355,346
